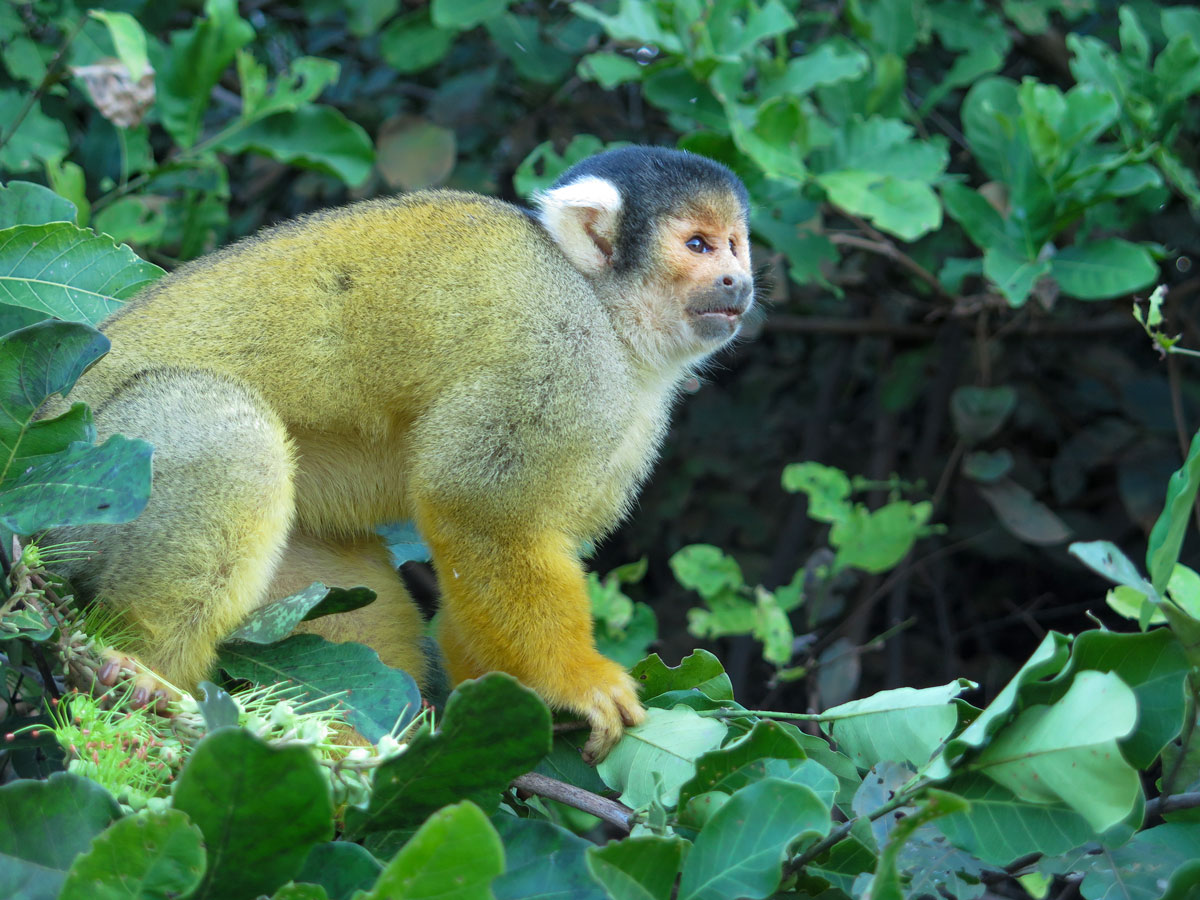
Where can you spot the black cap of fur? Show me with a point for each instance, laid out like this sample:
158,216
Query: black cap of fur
653,182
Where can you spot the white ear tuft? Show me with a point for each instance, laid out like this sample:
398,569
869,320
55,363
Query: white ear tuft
582,217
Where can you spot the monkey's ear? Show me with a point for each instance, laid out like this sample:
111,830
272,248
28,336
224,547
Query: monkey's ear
583,217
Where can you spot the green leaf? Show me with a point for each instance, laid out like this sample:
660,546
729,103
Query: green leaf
542,860
905,207
149,856
260,809
305,78
741,849
293,891
37,362
634,22
733,767
1106,559
828,490
459,15
1014,274
1103,269
365,16
82,485
609,70
38,139
904,724
1158,862
375,697
413,43
341,868
520,39
700,671
637,868
492,730
197,59
69,272
977,217
1047,660
454,855
875,541
276,620
312,137
26,203
44,826
1155,667
706,569
826,64
979,412
1068,752
1022,514
128,39
1167,535
885,885
655,758
998,827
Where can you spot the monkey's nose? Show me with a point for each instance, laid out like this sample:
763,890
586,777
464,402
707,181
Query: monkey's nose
736,285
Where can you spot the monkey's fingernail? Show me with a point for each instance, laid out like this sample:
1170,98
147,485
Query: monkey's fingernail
160,702
106,674
140,696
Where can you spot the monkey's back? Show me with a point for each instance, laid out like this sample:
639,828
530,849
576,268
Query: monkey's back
446,309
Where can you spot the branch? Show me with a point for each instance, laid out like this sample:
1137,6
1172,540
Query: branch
47,80
610,811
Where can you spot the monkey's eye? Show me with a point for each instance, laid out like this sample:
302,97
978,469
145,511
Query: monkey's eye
697,244
732,248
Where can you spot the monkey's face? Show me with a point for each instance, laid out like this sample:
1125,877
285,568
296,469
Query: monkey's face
705,255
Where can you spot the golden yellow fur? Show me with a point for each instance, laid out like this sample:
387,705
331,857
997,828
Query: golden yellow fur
432,357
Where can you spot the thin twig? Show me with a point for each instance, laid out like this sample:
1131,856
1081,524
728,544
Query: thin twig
889,250
610,811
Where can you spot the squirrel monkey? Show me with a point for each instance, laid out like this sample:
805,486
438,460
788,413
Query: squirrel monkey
503,377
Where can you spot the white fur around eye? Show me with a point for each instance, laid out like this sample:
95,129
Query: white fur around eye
582,218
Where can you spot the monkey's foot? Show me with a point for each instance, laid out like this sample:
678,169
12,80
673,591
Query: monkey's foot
131,681
610,707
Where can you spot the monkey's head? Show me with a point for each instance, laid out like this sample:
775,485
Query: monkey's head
664,236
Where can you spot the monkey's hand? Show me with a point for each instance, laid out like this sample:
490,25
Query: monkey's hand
127,677
521,606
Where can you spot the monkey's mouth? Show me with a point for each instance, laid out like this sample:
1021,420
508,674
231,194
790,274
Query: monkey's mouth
718,318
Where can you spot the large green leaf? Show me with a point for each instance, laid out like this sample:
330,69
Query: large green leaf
654,759
44,825
542,860
999,827
313,137
1047,660
341,868
1103,269
376,698
491,731
460,15
83,484
1167,535
901,725
1158,862
26,203
905,207
700,671
196,60
260,810
37,362
453,856
68,272
149,856
741,849
1067,751
637,868
733,767
1154,665
1013,273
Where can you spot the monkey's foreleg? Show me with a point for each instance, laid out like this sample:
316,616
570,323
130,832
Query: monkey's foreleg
518,603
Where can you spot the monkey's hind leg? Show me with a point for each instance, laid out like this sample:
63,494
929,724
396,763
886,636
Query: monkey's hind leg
391,625
202,553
